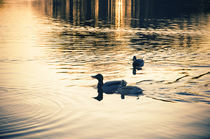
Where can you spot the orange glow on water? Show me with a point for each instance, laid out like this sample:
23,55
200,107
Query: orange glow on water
119,14
48,55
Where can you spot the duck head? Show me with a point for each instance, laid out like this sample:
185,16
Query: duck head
134,58
123,83
99,77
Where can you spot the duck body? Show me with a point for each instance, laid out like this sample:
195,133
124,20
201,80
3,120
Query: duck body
130,91
138,63
109,87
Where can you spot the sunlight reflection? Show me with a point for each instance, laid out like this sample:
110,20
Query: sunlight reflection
50,49
96,12
119,14
122,15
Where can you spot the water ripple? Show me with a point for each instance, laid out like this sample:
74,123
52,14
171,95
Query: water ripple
34,114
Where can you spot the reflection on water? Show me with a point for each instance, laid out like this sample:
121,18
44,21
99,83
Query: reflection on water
136,69
50,48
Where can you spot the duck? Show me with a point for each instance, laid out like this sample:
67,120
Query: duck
137,63
130,91
109,87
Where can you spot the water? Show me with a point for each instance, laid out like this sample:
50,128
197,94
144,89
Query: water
49,51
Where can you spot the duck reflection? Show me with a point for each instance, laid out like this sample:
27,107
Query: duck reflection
100,95
136,68
137,64
117,87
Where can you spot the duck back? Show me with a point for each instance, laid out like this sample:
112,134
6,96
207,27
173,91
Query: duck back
130,90
111,86
138,63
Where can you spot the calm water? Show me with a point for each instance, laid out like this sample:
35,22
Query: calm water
50,49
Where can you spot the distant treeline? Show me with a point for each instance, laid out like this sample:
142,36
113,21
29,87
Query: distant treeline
173,8
80,11
148,8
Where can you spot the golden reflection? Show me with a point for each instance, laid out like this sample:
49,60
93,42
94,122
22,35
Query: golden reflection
119,14
118,11
20,38
90,17
96,12
122,16
19,51
45,70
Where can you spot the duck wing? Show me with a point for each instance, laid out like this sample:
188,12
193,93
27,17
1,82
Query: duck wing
130,90
138,62
111,86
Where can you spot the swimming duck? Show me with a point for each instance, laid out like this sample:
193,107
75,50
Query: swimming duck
130,91
109,87
138,62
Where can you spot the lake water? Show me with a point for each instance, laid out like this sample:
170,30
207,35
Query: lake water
49,50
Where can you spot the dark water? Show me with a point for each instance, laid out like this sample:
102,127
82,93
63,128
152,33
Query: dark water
49,49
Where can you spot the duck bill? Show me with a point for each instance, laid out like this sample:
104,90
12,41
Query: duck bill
93,77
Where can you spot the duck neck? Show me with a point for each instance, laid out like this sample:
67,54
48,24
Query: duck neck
99,86
100,90
100,95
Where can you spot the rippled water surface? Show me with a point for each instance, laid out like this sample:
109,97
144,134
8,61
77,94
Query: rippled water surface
50,49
